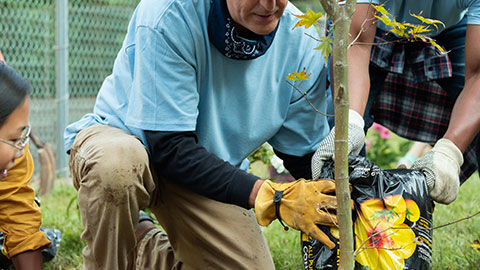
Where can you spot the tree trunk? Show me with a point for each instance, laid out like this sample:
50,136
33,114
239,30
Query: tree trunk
341,17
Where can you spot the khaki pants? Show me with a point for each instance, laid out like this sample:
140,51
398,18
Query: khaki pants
110,170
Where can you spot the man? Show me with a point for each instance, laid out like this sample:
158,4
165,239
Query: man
418,92
196,87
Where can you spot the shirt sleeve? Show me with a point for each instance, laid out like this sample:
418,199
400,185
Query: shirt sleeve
473,12
164,92
180,159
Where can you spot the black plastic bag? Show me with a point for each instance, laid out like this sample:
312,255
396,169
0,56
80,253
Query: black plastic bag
392,221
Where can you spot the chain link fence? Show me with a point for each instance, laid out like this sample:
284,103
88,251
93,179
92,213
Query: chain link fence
96,28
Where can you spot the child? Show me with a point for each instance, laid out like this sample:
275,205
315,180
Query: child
20,216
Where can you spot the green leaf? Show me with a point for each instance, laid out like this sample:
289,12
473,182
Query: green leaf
325,46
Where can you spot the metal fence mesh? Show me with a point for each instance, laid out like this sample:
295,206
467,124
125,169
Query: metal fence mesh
27,40
96,29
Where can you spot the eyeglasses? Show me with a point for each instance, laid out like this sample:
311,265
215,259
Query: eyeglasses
22,142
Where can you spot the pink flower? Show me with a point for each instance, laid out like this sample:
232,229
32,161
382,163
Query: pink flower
383,131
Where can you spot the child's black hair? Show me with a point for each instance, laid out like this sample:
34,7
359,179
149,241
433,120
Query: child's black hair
13,91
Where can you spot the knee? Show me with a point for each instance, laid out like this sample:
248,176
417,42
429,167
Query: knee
115,169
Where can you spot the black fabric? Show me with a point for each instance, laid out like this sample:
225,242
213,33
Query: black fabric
299,167
177,157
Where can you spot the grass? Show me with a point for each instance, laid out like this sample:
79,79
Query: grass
55,215
451,245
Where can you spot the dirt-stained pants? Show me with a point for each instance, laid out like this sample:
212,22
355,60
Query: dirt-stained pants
110,170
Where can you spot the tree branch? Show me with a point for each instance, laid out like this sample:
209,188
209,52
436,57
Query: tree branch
311,105
456,221
330,7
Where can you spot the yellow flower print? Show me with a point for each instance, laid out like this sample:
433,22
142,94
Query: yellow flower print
412,212
383,241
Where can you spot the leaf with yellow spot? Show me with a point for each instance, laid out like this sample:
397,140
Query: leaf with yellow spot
299,76
308,19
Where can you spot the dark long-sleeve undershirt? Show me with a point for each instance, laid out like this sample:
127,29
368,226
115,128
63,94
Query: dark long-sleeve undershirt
177,157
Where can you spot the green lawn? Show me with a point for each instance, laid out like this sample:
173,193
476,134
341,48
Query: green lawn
452,244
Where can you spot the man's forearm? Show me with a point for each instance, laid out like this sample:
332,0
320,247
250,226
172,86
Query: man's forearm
465,119
464,122
362,33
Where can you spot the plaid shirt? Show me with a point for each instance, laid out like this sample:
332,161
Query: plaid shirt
409,101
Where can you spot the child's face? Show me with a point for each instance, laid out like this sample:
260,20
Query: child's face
11,131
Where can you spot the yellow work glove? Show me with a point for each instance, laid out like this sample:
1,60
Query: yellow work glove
301,204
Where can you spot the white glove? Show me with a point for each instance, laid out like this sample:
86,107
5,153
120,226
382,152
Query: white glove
441,167
356,140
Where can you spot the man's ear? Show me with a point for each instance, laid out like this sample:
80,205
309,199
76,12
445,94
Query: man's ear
1,57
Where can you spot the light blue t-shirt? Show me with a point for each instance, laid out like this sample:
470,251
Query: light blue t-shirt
450,12
169,77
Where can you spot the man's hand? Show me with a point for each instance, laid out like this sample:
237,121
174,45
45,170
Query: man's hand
441,167
356,139
301,204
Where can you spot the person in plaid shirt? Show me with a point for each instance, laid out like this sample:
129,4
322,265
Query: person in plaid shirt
417,91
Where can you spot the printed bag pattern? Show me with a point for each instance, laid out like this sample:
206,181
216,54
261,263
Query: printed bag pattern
392,221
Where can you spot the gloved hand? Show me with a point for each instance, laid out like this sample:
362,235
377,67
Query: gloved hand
441,167
325,151
300,204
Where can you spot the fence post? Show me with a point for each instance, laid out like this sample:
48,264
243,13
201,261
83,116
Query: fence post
61,55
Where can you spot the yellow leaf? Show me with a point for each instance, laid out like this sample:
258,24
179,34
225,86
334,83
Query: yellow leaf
434,43
418,29
299,76
427,20
398,32
475,245
380,9
386,20
308,19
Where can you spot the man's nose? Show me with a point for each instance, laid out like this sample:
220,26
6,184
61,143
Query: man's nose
268,5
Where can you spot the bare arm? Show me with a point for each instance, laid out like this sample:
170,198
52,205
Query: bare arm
363,26
465,120
28,260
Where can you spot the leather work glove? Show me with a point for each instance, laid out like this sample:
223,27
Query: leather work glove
301,204
441,167
356,140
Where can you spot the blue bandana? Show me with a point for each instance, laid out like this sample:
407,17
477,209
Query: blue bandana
224,36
